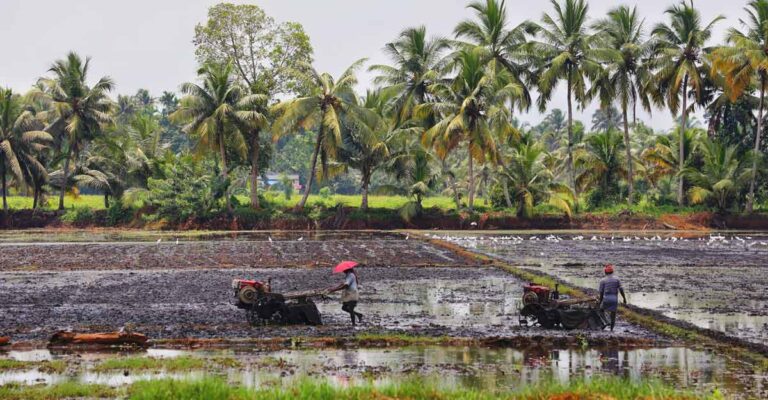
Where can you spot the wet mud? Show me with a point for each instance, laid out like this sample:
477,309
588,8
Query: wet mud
461,302
715,282
188,253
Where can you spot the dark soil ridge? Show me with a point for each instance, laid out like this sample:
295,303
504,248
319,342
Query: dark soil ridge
650,319
350,219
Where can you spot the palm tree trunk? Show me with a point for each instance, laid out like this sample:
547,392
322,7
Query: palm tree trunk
571,172
5,186
313,169
34,197
224,172
630,172
66,177
255,170
365,183
106,200
471,179
751,195
681,161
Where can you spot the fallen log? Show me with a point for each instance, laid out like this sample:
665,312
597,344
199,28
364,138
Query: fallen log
64,338
5,340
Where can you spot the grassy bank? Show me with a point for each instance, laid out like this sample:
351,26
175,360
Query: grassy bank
414,389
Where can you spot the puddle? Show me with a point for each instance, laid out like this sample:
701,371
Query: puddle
450,367
715,281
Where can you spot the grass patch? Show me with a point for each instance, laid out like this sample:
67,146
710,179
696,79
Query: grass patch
66,390
52,367
414,389
175,364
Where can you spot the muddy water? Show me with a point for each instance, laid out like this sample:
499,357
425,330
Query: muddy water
108,235
450,367
715,281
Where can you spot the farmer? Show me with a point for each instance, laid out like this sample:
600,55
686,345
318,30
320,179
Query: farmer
350,295
610,287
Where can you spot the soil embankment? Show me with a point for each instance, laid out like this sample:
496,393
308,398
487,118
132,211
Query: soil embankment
346,219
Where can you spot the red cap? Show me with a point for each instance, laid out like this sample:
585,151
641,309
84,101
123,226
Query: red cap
609,269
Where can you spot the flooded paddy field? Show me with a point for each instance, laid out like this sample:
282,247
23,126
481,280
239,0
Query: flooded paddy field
455,301
491,369
714,281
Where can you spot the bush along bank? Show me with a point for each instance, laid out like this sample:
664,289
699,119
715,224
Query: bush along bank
348,218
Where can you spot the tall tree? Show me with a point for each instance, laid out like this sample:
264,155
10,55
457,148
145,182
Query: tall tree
470,104
320,111
269,58
418,63
565,53
217,113
21,141
505,47
606,118
82,110
745,62
679,57
624,50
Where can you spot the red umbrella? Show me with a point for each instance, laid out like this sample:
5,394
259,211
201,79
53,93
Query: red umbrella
344,265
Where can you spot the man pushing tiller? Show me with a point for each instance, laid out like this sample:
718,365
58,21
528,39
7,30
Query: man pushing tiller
350,296
610,287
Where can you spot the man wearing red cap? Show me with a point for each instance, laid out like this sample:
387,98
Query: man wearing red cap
610,287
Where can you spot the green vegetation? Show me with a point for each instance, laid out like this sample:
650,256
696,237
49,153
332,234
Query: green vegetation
55,366
438,129
66,390
414,389
174,364
212,389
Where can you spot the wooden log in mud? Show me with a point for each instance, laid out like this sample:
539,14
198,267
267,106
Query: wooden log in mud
5,340
101,339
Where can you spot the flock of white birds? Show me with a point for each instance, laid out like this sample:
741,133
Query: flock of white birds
747,242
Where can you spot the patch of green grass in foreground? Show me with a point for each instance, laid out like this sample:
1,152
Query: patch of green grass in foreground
183,363
66,390
415,389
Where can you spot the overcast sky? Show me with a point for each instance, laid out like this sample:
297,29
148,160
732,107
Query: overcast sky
147,43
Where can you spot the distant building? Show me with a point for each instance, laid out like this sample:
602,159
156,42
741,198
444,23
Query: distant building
273,179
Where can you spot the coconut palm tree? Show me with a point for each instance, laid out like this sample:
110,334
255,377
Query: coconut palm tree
602,162
679,58
606,118
720,177
532,182
320,111
82,110
368,140
217,113
471,105
745,62
624,51
505,47
21,141
565,54
418,63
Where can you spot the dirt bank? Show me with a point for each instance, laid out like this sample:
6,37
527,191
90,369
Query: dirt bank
350,219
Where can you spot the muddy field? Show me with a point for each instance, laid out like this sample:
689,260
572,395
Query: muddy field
714,281
186,253
464,302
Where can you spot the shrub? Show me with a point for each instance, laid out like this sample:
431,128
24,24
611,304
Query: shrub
78,215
